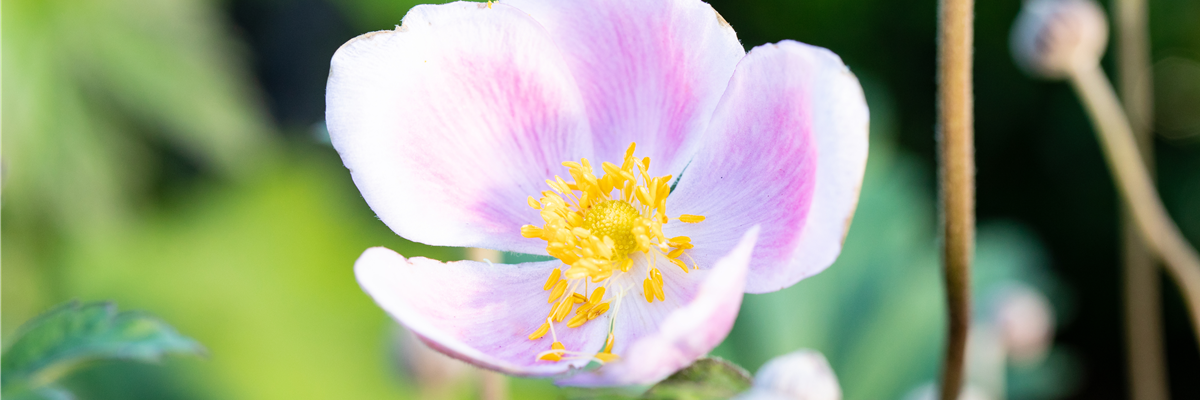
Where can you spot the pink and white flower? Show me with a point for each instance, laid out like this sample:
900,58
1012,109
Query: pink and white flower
457,124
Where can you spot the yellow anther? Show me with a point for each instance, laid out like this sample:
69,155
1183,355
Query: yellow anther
554,276
598,310
559,289
678,263
541,331
648,290
608,343
555,353
577,320
531,231
597,295
643,195
601,276
563,309
596,225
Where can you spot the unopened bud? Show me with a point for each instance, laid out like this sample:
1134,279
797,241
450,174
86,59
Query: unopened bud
929,392
799,375
1025,321
1051,38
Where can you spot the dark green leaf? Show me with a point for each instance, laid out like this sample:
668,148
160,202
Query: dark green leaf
707,378
54,343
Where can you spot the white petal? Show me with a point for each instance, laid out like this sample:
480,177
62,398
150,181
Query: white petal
477,312
787,150
650,72
450,121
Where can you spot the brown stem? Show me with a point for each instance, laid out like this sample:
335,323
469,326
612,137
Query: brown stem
1136,187
957,176
1143,307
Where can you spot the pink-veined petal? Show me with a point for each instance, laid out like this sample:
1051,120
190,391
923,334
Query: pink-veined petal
481,313
650,72
450,121
656,339
787,151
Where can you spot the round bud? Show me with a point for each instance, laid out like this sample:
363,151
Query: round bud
1025,321
1051,38
930,392
799,375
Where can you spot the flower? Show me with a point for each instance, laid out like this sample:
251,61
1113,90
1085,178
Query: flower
459,126
800,375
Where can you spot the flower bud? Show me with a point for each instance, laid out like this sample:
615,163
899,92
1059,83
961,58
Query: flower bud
930,392
799,375
1024,320
1053,37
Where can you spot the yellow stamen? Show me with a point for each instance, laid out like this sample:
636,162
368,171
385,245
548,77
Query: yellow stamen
599,226
678,263
562,311
598,310
648,290
577,320
553,279
531,231
541,331
559,289
607,357
596,295
555,353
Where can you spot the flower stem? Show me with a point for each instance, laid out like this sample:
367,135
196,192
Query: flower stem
957,175
1143,307
1135,185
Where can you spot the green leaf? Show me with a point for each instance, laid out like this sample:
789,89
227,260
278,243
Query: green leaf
707,378
56,342
42,393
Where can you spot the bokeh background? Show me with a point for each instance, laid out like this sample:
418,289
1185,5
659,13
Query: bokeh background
170,155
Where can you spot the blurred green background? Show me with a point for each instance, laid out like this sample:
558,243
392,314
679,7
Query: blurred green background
169,155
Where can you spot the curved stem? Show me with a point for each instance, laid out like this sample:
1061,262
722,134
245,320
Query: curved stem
957,179
1136,187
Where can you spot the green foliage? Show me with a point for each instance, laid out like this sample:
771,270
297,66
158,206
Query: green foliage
104,87
707,378
57,342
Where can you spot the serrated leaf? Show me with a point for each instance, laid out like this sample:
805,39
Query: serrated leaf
56,342
707,378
